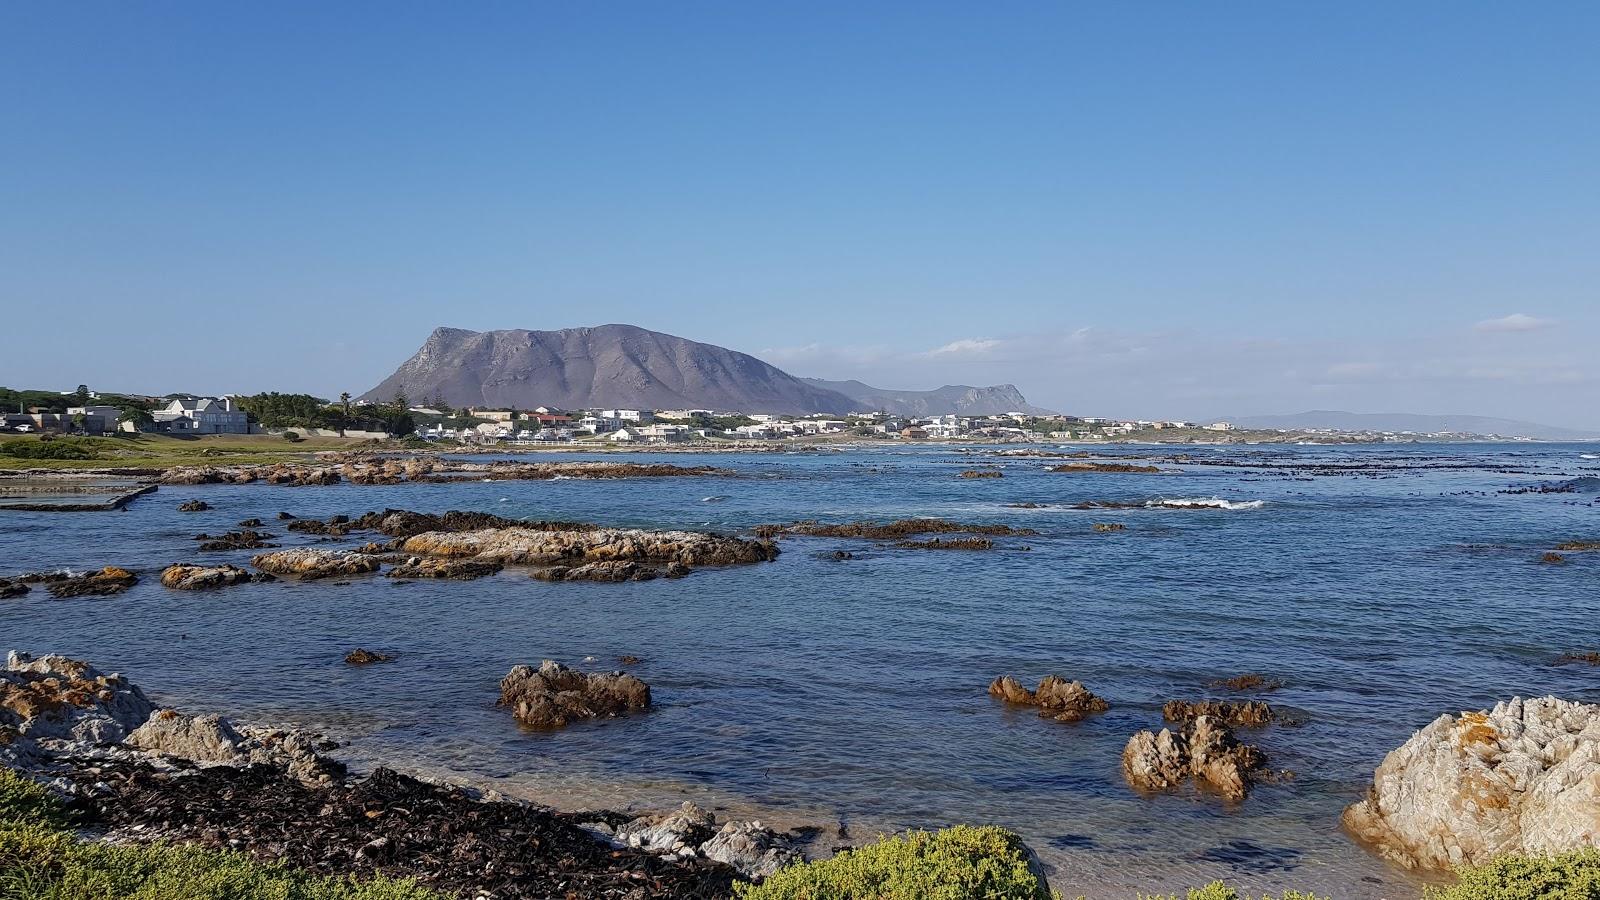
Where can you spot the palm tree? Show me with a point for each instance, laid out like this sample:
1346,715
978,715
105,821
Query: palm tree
344,416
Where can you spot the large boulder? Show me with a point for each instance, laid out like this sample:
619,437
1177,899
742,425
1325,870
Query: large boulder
199,738
750,847
553,695
56,698
308,563
192,577
753,849
1523,777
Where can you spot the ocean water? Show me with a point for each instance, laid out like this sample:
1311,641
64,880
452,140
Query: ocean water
1382,585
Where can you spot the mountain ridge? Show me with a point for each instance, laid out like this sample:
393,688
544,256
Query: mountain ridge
959,399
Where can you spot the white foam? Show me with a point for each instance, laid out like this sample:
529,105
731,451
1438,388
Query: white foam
1210,502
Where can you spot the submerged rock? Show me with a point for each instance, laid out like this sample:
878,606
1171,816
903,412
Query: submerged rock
553,695
1523,777
194,506
102,583
1104,527
1056,697
191,577
982,473
9,589
247,539
899,529
308,564
1205,750
1075,467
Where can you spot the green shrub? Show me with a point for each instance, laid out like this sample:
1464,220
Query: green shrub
1564,876
56,449
959,863
23,802
292,437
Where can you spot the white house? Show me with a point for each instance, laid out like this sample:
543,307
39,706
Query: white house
203,416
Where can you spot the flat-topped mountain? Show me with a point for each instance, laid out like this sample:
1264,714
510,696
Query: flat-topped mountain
604,366
958,399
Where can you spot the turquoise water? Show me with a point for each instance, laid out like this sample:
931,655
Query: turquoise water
1382,585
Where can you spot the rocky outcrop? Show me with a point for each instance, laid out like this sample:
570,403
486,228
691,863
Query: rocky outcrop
10,589
51,698
611,571
1127,468
531,546
960,543
903,528
101,583
1205,751
279,474
194,506
1056,697
1232,713
360,657
435,567
1523,777
749,847
982,473
192,577
553,695
1104,527
214,740
235,540
308,564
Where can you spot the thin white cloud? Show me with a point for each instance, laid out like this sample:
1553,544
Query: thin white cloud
966,347
1512,323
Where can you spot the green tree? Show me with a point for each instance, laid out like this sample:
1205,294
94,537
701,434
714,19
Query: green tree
80,397
344,412
140,418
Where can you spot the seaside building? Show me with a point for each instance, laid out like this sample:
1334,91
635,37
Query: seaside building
202,415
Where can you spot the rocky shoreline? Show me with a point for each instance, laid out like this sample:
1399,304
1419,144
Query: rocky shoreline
132,772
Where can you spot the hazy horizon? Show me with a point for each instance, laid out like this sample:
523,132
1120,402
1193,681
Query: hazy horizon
1153,212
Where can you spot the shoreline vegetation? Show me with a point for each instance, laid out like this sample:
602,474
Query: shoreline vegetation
104,795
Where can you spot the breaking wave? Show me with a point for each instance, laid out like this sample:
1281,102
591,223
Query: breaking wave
1204,503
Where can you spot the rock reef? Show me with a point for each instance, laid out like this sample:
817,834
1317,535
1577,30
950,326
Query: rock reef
535,547
903,528
1523,777
193,577
1232,713
104,582
554,695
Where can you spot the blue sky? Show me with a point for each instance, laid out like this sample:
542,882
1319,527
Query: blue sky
1155,209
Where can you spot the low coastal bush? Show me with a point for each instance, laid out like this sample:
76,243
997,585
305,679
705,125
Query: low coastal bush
953,864
40,860
56,449
1563,876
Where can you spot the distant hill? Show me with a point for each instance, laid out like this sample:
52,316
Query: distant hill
1348,421
957,399
604,366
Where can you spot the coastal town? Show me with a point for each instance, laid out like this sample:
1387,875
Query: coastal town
85,412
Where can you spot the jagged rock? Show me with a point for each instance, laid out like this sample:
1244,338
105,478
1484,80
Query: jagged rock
754,850
1206,750
194,506
613,571
1057,698
191,577
1234,714
554,695
310,564
9,589
53,697
1104,527
250,523
360,657
682,830
1523,777
530,546
235,540
434,567
103,583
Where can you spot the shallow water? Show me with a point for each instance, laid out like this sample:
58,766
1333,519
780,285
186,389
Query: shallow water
1382,585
